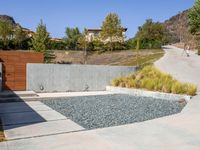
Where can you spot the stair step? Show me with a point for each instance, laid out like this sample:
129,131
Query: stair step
13,94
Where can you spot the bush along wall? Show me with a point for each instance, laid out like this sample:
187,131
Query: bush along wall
152,79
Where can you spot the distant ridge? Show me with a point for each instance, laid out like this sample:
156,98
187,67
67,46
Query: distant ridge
178,27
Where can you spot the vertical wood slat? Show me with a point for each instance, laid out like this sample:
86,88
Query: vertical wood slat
14,68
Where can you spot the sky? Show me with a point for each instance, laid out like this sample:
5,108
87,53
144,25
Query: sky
59,14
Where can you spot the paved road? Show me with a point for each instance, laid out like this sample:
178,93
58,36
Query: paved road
181,131
183,68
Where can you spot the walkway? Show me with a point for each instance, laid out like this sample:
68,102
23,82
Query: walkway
181,131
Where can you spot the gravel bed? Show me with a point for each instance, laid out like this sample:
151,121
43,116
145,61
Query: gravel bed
112,110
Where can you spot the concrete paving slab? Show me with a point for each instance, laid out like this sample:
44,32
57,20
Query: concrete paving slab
154,134
21,118
30,117
17,93
62,142
51,115
41,129
33,103
151,135
22,107
3,146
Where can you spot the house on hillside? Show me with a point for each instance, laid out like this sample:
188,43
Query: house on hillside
28,32
94,34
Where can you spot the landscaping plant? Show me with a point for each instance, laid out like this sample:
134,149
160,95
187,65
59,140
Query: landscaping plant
152,79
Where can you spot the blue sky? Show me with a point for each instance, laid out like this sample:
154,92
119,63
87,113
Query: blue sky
59,14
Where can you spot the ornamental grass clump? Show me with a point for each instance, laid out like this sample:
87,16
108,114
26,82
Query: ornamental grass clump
152,79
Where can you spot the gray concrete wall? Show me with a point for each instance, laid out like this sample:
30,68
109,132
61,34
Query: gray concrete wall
62,78
1,76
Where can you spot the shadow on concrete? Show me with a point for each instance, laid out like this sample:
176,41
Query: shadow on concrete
15,112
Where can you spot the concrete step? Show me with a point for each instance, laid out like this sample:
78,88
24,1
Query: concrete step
11,94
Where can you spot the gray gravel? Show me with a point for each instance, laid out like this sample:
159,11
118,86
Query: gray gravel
112,110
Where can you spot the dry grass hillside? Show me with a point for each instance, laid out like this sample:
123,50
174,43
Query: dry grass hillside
125,57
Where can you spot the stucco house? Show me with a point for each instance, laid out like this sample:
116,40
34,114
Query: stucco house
94,34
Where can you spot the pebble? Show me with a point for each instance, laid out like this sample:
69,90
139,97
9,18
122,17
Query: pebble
102,111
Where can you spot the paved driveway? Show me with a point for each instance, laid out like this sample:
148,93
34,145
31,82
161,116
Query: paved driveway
181,131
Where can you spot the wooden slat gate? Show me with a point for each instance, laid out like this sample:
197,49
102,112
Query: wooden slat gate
14,68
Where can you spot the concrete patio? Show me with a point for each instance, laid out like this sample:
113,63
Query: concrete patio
45,129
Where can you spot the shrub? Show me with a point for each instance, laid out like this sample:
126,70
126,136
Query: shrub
57,45
191,89
115,82
98,45
177,88
114,45
152,79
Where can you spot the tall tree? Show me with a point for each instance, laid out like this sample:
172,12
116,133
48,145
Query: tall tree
151,31
6,32
152,34
194,22
112,29
40,39
72,37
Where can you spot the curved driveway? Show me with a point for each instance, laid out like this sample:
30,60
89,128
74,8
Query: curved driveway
183,68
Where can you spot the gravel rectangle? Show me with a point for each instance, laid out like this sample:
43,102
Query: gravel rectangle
112,110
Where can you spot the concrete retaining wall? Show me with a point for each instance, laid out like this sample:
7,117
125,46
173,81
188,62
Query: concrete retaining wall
1,76
62,78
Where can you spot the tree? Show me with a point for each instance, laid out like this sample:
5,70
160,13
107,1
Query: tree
151,34
194,22
40,41
151,31
72,37
6,32
19,37
112,29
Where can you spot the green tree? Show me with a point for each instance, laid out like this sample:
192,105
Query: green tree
19,37
194,22
72,37
41,40
151,31
6,33
112,29
152,34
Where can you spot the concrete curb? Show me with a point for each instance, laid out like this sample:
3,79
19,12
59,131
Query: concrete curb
145,93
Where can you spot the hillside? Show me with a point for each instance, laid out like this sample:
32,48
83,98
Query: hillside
178,27
9,19
125,57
